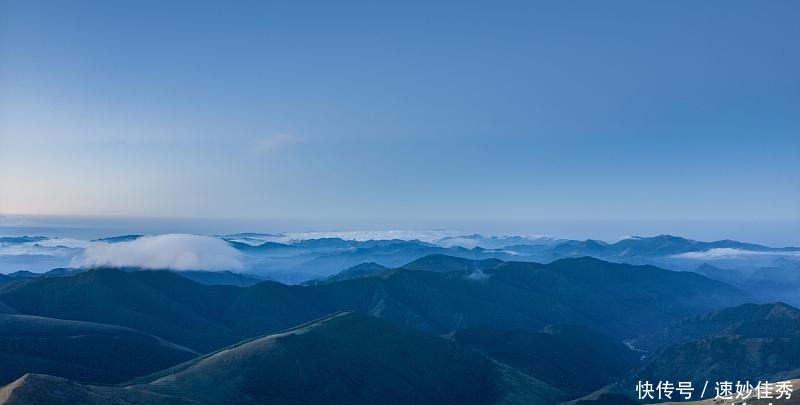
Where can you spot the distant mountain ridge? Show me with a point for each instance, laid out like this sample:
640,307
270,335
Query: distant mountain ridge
319,258
298,260
200,276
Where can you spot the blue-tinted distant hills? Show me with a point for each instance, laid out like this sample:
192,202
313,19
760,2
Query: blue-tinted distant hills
319,258
220,278
21,239
494,242
358,271
26,275
296,260
199,276
292,262
118,239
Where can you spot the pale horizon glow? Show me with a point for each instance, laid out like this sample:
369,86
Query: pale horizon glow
506,118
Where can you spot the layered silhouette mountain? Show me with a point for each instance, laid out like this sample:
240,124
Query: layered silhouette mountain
319,258
299,261
118,239
13,240
728,276
623,301
156,302
445,264
775,283
200,276
358,271
341,359
221,278
26,275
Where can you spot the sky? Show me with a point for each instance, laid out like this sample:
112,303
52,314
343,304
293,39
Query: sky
403,113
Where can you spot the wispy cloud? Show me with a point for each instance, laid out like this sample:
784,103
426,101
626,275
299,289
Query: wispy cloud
478,275
289,237
730,253
171,251
46,247
271,143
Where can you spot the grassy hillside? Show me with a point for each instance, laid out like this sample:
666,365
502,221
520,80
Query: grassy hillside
161,303
575,360
83,351
341,359
748,342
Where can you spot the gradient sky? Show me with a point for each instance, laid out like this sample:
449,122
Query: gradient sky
679,110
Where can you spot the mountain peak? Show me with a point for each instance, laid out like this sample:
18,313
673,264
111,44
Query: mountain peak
316,362
583,261
442,263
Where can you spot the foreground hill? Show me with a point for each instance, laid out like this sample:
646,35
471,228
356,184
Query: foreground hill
36,389
83,351
620,300
341,359
160,303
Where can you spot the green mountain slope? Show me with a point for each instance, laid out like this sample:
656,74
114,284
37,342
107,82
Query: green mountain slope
341,359
748,342
620,300
83,351
575,360
444,263
157,302
37,389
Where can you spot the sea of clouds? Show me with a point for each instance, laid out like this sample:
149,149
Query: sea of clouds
170,251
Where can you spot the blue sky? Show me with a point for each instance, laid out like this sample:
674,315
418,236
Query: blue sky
403,111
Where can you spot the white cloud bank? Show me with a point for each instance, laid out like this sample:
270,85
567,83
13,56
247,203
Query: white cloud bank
731,253
170,251
292,237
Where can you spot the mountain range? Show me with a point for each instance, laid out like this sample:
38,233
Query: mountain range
323,257
437,329
621,300
295,261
